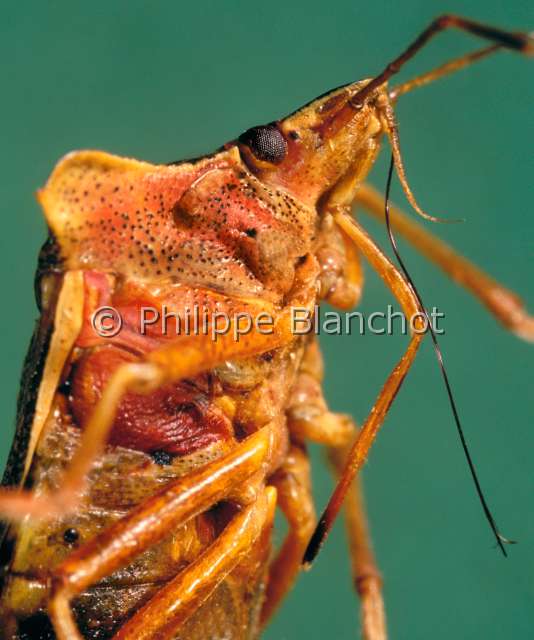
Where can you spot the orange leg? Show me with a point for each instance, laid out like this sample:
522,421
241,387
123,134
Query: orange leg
366,436
150,521
505,305
341,277
293,484
309,415
173,604
365,574
186,357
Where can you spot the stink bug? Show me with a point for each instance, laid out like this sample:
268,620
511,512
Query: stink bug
151,452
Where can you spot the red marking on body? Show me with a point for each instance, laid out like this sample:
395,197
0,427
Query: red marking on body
114,215
177,418
208,224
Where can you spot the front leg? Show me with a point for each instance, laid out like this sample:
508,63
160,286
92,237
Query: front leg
341,277
412,310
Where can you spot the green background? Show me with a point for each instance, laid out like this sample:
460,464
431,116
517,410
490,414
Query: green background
165,80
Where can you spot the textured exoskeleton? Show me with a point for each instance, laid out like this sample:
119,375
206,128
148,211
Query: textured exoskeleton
149,458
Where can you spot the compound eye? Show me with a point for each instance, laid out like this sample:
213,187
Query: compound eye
266,143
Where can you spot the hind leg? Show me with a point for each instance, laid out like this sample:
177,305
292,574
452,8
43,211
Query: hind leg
310,419
163,615
293,485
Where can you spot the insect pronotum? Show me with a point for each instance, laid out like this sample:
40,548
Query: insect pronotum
148,459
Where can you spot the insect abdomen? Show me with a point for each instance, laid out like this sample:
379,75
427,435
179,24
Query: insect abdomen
122,478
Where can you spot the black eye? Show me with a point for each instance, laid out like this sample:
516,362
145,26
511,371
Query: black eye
71,535
266,143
